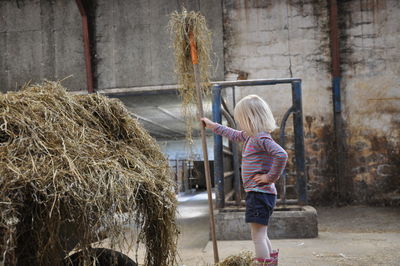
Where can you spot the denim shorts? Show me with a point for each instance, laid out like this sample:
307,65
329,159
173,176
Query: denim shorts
259,207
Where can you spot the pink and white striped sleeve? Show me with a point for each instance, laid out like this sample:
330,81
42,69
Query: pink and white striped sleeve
279,155
230,133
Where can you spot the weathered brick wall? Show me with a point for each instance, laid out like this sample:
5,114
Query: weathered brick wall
370,56
278,39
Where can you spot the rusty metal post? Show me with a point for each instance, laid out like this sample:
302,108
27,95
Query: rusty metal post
343,185
86,43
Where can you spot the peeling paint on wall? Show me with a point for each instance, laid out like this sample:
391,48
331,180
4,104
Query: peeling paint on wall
371,74
261,39
291,38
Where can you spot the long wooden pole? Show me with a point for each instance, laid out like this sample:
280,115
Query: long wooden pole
200,114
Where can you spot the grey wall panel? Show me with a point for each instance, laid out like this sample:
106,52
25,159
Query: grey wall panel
133,43
39,40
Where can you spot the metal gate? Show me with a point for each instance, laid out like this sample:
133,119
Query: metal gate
219,109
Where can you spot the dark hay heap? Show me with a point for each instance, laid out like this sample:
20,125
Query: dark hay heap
245,258
69,164
180,26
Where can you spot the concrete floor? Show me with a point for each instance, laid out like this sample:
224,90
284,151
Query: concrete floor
354,235
194,223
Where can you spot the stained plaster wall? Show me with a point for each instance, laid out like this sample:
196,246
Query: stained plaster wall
370,54
279,39
252,39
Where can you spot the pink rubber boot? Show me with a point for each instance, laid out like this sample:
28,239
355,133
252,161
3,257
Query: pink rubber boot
274,254
264,262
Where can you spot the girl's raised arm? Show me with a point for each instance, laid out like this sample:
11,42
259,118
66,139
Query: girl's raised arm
230,133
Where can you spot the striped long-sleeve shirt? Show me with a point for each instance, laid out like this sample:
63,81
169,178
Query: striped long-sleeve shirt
260,155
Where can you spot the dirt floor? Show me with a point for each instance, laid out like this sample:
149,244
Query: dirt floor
353,235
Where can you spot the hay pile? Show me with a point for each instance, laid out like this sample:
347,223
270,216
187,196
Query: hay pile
180,26
245,258
68,165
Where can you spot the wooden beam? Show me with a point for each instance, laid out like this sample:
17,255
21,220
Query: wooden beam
227,174
226,150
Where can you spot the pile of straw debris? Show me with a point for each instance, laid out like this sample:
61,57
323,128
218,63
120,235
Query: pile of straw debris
69,164
244,258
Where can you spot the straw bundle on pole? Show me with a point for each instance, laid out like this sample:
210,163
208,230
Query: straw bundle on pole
68,165
180,26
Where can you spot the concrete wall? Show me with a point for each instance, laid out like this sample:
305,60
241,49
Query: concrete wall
277,39
40,39
280,39
370,55
133,42
252,39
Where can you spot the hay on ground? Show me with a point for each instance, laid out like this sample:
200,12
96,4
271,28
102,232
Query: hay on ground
244,258
68,165
180,26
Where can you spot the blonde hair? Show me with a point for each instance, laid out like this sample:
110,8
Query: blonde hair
254,115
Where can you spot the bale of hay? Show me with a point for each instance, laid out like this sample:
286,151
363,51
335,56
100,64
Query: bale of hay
68,165
180,26
244,258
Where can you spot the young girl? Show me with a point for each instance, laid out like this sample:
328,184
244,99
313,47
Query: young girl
263,161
